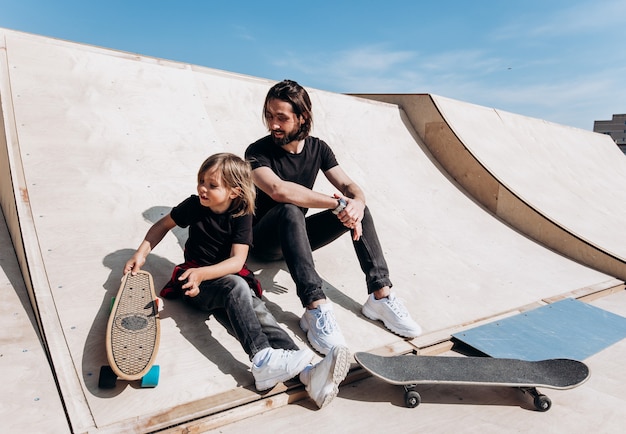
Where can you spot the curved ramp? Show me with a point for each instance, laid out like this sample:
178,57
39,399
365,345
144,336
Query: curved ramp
560,185
97,144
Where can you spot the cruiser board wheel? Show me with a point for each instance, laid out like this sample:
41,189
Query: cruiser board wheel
151,379
107,378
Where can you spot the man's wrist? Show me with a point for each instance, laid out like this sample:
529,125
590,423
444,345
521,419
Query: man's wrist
341,204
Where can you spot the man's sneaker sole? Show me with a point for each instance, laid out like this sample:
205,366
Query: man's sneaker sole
371,315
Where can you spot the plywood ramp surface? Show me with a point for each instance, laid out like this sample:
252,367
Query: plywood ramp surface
29,399
569,174
552,182
107,142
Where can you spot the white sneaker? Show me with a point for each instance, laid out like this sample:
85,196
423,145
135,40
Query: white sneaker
322,380
391,311
321,328
272,366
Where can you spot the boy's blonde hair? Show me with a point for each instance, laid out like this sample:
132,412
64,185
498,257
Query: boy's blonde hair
236,174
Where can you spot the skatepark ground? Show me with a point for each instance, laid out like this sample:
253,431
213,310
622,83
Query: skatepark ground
482,215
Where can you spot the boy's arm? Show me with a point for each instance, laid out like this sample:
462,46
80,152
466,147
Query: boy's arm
232,265
153,237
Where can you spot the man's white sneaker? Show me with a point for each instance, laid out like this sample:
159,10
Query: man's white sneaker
321,328
322,380
392,312
272,366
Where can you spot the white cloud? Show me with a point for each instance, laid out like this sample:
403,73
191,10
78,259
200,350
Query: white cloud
242,32
592,16
608,16
535,71
372,58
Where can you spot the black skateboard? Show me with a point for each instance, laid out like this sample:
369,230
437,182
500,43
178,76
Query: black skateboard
410,370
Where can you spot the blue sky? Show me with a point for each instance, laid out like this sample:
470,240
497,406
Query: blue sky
558,60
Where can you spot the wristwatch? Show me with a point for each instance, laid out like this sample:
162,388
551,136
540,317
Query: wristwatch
341,204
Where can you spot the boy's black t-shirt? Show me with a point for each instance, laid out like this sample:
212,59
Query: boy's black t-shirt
301,168
211,235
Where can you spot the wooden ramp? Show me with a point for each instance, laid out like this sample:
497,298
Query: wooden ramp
29,399
96,145
559,185
595,406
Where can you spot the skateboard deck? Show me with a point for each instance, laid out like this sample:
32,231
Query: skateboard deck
410,370
133,332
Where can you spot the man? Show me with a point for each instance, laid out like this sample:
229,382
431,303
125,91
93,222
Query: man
285,165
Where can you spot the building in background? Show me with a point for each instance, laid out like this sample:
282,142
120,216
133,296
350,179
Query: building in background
616,128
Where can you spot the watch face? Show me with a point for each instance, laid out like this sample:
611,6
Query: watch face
341,204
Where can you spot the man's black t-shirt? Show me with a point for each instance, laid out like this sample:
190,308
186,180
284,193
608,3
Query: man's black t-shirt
300,168
211,235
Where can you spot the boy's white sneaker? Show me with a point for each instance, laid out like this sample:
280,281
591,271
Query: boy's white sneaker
272,366
321,328
392,312
322,380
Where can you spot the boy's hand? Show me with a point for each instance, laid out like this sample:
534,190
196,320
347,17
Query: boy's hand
193,279
134,264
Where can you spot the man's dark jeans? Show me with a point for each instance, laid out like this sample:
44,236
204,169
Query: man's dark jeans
285,233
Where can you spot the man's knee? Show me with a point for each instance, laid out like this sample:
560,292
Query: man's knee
284,223
290,213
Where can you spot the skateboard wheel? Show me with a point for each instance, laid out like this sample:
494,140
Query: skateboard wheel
107,379
151,379
542,403
412,399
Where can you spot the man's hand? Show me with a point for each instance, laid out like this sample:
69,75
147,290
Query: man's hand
357,231
352,215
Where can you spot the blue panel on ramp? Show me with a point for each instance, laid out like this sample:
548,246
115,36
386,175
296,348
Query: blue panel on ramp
566,329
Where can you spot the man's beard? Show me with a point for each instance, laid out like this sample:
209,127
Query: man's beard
286,139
